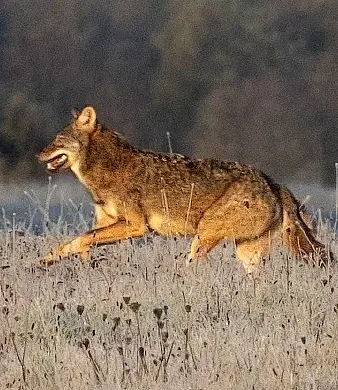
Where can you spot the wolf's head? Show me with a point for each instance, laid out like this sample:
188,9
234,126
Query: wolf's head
65,150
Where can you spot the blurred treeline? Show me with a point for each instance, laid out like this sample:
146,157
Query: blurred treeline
248,80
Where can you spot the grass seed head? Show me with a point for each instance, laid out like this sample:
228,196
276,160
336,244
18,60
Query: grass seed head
141,352
134,306
60,306
116,320
80,309
5,310
85,343
188,308
158,313
165,336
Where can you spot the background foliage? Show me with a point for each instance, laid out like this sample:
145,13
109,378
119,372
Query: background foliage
247,80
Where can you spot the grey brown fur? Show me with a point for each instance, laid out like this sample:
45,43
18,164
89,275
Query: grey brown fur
134,190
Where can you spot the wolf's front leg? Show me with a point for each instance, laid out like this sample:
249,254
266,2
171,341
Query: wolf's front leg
105,235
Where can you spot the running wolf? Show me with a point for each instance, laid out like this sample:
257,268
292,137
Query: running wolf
135,190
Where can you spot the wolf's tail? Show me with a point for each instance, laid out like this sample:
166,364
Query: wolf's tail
297,234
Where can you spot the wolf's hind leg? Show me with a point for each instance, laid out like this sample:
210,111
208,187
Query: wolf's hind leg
250,253
242,214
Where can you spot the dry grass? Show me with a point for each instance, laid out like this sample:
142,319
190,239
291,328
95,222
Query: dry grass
137,318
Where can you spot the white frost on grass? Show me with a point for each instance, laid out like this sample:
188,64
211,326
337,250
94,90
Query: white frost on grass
93,326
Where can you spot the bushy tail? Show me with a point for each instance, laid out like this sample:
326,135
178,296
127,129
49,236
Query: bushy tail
297,234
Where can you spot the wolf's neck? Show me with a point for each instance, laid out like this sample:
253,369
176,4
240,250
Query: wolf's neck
105,155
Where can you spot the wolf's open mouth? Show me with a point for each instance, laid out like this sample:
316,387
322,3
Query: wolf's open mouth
57,162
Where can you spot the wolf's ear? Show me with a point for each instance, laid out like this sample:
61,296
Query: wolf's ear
86,119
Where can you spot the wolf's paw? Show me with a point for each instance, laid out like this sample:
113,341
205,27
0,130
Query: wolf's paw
200,257
54,256
64,251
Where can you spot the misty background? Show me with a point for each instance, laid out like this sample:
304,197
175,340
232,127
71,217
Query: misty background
252,81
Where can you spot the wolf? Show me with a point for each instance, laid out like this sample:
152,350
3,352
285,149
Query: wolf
135,190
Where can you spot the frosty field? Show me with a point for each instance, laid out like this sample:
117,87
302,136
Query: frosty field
137,318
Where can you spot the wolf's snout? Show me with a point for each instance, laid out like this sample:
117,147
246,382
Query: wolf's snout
53,159
44,155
